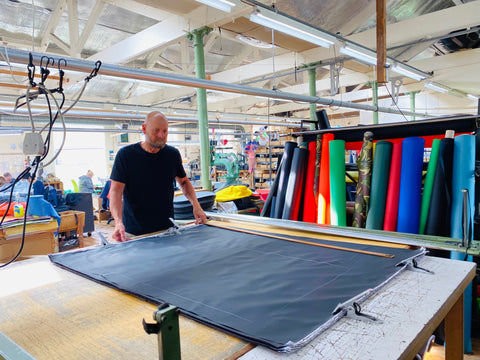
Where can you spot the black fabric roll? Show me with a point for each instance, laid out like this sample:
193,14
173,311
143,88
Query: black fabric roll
283,178
296,181
269,207
438,220
322,119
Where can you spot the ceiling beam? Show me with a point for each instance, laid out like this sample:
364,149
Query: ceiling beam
52,24
439,23
171,28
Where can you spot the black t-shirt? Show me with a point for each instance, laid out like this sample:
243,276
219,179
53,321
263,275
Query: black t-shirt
148,179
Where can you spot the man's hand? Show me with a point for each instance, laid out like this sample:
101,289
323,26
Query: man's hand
119,233
200,216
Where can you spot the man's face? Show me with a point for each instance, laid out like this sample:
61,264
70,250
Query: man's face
156,132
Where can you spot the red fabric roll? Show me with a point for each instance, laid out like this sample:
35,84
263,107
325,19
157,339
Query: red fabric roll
323,216
391,207
310,205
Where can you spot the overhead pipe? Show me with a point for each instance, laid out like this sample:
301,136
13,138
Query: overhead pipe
19,56
7,129
20,113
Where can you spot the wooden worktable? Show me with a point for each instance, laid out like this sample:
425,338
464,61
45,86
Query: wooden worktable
55,314
39,239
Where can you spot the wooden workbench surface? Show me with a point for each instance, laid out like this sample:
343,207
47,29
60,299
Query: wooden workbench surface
54,314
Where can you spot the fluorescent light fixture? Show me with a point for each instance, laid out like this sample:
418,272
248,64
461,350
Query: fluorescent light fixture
359,53
409,72
292,27
436,87
254,42
223,5
473,97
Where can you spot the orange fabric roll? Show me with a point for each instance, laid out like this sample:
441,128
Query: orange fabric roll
324,183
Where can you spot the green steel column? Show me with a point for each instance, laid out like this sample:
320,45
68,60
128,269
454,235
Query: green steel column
312,85
197,37
375,100
412,103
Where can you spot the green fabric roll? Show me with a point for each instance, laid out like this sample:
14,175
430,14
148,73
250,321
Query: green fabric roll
362,196
338,205
380,176
428,185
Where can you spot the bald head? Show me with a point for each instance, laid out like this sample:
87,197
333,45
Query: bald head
155,129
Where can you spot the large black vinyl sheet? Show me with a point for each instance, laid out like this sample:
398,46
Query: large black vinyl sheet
267,291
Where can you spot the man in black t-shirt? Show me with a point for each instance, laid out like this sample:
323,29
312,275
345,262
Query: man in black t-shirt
144,174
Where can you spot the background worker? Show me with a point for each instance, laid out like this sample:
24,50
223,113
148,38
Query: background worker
8,177
85,183
143,174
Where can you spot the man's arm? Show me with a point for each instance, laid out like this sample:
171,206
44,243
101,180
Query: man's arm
116,208
189,192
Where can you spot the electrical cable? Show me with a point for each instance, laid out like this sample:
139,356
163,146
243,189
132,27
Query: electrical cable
47,142
396,105
24,214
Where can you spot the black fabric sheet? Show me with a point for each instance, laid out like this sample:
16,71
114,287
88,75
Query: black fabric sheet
267,291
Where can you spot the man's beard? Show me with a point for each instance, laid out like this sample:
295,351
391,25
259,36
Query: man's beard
160,144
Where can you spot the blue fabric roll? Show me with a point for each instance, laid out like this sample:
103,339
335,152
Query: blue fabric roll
410,196
463,178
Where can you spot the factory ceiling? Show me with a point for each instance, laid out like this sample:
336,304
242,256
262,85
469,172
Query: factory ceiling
438,37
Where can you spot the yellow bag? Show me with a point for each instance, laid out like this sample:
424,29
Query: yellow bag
233,192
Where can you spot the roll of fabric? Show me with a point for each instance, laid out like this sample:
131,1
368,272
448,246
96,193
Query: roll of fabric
323,215
380,174
362,194
296,181
408,219
428,185
338,204
318,157
283,178
310,205
391,206
439,211
464,179
268,209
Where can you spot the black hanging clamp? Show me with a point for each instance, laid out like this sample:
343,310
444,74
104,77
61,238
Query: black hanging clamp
353,309
94,72
44,72
31,71
411,264
61,74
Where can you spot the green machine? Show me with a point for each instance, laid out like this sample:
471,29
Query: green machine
230,161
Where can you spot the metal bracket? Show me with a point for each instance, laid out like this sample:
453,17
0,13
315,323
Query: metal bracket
175,229
335,76
167,330
396,84
411,264
354,311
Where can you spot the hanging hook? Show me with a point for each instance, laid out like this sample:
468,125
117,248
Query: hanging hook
31,71
61,74
44,70
94,71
